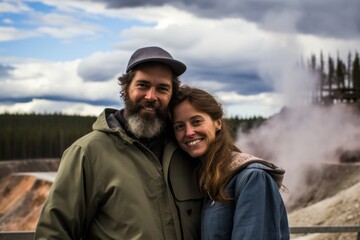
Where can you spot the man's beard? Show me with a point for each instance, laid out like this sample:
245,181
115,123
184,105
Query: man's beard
144,125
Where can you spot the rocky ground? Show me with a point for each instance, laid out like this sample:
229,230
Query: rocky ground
22,197
332,198
21,202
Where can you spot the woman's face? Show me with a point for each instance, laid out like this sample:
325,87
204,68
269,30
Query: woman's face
194,130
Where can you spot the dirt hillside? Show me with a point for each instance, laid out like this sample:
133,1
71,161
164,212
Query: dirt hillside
21,202
333,198
22,197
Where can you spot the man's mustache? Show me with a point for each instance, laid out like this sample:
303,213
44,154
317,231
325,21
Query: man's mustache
149,104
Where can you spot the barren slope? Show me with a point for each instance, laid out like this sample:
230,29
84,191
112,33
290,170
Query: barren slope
341,209
333,198
21,202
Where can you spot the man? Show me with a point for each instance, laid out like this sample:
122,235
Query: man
126,179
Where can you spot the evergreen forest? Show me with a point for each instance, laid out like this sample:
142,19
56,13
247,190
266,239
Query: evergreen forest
33,136
337,80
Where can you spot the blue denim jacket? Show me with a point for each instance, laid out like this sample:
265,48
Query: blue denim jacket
257,212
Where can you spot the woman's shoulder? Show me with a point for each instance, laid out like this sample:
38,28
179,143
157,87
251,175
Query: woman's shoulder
244,164
253,170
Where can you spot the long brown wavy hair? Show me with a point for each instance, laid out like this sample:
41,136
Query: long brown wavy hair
214,172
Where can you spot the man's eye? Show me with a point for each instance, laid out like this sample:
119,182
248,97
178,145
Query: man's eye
142,85
163,89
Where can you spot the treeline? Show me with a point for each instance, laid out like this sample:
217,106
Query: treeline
236,124
29,136
25,136
338,80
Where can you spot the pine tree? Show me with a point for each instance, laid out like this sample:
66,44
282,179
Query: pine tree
322,75
340,74
356,75
313,95
331,75
348,72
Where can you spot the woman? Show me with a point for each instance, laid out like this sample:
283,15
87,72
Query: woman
242,191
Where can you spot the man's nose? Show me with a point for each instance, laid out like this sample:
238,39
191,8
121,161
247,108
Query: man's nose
150,94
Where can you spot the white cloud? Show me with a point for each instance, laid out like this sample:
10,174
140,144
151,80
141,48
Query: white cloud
103,66
11,6
65,33
312,44
270,99
263,104
216,51
64,26
47,106
7,21
12,33
58,79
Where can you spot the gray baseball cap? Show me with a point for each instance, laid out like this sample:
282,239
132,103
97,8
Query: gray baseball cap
155,54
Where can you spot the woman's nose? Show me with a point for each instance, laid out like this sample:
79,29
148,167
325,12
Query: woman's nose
189,131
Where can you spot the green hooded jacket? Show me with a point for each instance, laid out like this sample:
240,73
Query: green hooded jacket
110,186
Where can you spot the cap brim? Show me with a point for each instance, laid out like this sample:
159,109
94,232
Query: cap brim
177,66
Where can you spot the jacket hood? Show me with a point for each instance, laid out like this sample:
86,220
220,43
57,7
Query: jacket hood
101,123
242,160
106,122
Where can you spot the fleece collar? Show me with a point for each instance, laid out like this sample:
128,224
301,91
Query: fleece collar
242,160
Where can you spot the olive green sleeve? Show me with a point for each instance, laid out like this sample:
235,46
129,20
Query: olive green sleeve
63,215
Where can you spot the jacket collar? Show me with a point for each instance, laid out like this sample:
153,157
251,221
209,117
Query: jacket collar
242,160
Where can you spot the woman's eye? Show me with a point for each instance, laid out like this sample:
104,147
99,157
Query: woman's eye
178,127
196,122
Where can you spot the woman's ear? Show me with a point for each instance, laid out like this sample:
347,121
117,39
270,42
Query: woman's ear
218,124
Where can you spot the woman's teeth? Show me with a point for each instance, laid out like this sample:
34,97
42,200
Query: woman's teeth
194,142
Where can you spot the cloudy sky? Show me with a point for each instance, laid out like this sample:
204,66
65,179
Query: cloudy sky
65,56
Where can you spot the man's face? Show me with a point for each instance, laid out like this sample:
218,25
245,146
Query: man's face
147,99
